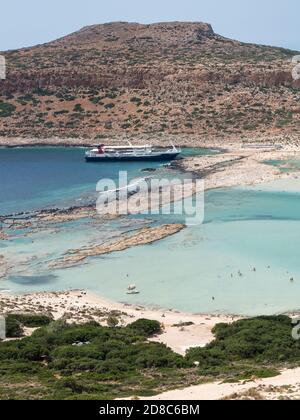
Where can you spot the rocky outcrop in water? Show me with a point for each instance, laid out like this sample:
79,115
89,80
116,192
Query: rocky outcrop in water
142,237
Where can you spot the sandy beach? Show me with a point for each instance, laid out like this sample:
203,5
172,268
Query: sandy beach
181,331
285,386
81,306
242,165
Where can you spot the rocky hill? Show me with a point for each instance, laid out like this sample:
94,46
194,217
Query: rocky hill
164,78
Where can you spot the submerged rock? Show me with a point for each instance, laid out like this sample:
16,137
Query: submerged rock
142,237
149,170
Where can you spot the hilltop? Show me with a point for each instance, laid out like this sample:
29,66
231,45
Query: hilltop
160,79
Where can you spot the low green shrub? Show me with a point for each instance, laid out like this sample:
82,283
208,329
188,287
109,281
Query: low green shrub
31,321
93,362
14,328
78,108
146,327
261,340
6,109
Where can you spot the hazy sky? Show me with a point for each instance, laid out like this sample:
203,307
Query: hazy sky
30,22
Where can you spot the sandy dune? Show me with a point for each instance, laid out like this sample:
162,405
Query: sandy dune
273,388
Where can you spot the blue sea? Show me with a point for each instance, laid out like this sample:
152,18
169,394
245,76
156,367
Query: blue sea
51,177
244,258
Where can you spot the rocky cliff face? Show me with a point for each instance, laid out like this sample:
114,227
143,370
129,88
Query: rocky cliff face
162,78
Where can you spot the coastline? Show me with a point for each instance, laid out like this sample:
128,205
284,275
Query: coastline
82,306
79,305
185,140
238,166
181,331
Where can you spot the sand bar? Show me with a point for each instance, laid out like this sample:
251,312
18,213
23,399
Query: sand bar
143,237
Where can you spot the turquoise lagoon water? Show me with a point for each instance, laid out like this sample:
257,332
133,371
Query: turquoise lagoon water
244,259
289,165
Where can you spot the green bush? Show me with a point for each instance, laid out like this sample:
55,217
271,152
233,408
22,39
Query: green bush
262,340
6,109
42,92
15,323
94,362
126,125
32,351
31,321
78,108
96,99
14,328
136,100
153,355
18,367
109,106
146,327
86,351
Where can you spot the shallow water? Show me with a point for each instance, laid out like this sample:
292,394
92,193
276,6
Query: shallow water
244,259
